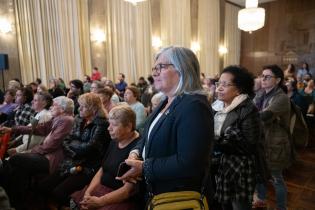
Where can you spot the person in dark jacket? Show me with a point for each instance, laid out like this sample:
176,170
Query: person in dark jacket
274,107
237,131
83,148
173,154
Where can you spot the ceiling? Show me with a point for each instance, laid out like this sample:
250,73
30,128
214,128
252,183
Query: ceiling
242,2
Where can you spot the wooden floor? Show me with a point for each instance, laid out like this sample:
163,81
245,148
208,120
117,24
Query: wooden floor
300,179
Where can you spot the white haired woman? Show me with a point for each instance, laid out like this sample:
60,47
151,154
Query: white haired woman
43,158
174,151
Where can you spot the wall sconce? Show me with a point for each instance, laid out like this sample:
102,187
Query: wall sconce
222,50
134,2
98,35
5,26
195,47
156,42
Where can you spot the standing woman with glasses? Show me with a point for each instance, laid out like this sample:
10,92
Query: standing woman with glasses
274,107
237,132
173,153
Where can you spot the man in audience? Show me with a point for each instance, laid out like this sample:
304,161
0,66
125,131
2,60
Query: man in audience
121,85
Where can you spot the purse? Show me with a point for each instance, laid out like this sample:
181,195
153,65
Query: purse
179,200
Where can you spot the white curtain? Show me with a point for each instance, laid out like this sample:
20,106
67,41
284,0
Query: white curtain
128,45
175,22
52,39
209,36
232,36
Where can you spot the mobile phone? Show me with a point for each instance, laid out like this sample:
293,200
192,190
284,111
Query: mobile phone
122,169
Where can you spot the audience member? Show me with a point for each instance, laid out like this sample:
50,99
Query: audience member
289,73
76,89
84,149
41,88
105,192
164,155
24,111
302,72
106,95
132,98
295,96
121,85
8,107
40,104
156,100
87,82
96,86
237,131
274,107
44,158
96,75
54,89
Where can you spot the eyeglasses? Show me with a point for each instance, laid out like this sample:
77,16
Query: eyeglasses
158,68
266,77
223,84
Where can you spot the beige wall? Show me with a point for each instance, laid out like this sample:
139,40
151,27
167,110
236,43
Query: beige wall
8,43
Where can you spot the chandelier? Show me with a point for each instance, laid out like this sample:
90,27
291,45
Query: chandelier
252,17
134,2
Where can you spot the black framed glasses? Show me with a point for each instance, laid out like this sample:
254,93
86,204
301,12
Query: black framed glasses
158,68
266,77
223,84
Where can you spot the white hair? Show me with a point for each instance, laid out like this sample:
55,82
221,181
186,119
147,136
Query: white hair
65,103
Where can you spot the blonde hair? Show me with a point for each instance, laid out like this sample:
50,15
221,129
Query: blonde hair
123,114
93,103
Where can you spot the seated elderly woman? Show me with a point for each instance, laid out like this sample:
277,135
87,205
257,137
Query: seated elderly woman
105,192
237,131
84,149
43,158
40,104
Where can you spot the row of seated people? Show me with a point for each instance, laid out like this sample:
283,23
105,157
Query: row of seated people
62,164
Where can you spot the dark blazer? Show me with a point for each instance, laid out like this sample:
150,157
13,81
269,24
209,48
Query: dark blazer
177,152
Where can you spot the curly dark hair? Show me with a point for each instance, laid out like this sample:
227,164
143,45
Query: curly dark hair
242,78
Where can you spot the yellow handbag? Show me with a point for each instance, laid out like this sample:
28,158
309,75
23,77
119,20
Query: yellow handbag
178,200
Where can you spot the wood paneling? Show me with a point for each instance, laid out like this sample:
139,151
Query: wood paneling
287,37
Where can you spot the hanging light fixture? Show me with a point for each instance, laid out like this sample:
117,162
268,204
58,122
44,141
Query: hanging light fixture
134,2
252,17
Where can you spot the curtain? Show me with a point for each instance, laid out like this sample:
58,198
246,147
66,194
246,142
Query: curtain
175,22
128,47
232,36
53,39
209,36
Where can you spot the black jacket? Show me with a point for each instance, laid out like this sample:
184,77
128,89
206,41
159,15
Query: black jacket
177,152
86,145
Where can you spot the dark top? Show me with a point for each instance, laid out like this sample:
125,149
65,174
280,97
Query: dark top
121,86
113,158
86,144
177,152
